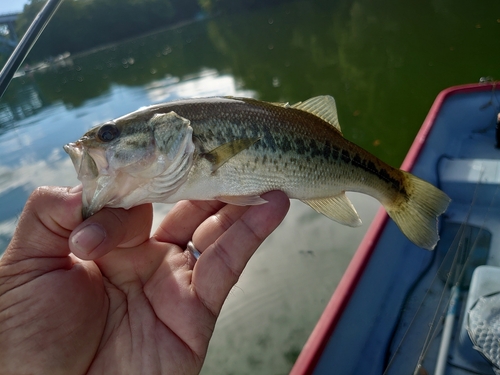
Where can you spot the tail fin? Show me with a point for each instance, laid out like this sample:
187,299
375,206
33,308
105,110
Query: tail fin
417,215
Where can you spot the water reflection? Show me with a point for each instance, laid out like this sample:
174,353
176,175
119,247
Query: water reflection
206,83
383,61
31,155
27,103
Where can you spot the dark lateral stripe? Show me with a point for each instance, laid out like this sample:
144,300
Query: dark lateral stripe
345,157
370,167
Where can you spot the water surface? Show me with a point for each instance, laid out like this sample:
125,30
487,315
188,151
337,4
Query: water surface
383,61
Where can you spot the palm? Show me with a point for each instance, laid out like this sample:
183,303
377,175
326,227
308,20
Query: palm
138,305
155,314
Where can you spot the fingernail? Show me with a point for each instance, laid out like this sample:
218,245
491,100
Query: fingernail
88,238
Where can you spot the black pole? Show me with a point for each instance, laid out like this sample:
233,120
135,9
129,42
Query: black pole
24,47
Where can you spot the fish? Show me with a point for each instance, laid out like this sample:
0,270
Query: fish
235,149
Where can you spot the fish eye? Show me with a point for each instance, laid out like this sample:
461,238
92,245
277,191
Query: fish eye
108,132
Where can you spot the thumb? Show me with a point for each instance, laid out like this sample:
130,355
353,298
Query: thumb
48,218
111,228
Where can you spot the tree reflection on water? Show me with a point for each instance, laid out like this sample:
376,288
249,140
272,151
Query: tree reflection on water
384,62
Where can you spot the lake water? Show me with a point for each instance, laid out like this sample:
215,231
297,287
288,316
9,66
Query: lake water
383,61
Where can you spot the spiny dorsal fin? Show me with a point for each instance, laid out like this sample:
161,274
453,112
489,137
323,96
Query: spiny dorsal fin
220,155
322,106
284,105
338,208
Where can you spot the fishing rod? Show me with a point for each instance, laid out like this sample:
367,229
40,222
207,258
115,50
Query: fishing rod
28,40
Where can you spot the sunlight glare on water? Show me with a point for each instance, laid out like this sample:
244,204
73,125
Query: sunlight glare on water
205,84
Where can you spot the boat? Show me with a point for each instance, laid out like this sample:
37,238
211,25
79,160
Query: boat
400,309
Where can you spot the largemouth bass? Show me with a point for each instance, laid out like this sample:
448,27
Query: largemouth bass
234,150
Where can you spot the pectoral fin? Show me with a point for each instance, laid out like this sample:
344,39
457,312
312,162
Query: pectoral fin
220,155
338,208
243,200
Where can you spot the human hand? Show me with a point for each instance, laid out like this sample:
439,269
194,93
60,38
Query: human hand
103,297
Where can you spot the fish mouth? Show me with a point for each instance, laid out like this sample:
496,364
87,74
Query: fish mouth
84,163
88,174
100,187
74,150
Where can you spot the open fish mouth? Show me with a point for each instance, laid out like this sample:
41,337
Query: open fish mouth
88,174
74,150
82,161
99,189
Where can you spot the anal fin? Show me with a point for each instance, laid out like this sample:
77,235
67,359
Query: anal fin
338,208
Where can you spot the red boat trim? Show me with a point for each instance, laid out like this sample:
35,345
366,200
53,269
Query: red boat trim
313,349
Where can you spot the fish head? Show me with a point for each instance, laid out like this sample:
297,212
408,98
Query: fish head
119,161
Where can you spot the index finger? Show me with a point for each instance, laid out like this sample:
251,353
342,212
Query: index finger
216,272
180,223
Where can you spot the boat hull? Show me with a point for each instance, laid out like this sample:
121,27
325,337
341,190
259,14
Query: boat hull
357,332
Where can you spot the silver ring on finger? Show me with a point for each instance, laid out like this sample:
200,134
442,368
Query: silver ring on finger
193,250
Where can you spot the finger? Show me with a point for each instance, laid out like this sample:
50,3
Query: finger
216,272
214,226
48,218
180,223
111,228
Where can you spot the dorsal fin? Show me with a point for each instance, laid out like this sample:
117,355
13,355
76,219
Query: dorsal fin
284,105
322,106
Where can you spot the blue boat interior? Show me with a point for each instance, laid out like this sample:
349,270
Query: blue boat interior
393,323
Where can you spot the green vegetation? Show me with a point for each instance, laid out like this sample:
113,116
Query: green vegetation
224,6
80,25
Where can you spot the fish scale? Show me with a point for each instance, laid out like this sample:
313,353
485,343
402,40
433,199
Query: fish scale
235,149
